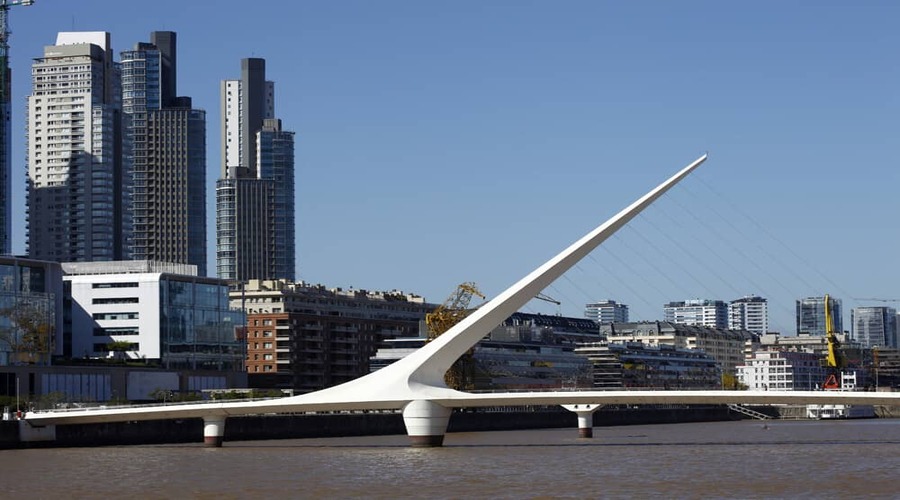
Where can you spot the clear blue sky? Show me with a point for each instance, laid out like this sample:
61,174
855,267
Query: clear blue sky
441,142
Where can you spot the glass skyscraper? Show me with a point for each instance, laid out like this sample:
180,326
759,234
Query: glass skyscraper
875,326
811,315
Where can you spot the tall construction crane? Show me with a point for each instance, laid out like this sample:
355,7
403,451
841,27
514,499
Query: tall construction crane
834,360
451,312
4,44
5,119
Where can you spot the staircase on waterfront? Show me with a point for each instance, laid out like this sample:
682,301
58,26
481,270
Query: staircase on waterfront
748,412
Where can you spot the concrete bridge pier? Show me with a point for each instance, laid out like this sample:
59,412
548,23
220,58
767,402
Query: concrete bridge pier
585,414
426,423
213,431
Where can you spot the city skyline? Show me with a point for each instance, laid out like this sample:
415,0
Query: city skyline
442,144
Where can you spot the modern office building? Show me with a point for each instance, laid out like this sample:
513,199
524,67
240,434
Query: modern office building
31,300
275,161
628,365
780,370
606,311
160,312
874,326
727,347
254,195
711,313
749,313
74,153
811,315
165,159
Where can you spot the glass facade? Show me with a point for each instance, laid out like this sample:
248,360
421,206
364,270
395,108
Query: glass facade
197,328
275,150
226,228
874,326
27,315
811,315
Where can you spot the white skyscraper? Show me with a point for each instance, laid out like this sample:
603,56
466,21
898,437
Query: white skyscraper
749,313
606,311
74,151
240,119
711,313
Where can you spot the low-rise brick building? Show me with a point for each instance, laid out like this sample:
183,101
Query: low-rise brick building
308,337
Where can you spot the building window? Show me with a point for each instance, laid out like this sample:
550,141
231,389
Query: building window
116,315
130,284
115,300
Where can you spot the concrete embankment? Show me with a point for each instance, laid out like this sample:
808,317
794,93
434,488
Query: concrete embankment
346,424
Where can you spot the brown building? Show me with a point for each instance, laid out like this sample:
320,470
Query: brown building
308,337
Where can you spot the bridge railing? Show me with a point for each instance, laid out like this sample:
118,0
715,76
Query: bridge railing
101,406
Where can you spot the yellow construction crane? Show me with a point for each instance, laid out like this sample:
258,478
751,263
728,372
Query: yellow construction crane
451,312
834,361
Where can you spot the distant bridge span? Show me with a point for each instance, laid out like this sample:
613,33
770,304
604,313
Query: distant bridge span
415,383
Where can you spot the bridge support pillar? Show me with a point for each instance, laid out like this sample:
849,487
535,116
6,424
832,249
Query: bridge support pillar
213,431
585,415
426,423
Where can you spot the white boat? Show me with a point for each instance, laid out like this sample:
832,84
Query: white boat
840,411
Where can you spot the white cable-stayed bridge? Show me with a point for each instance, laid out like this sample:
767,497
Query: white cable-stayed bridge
415,384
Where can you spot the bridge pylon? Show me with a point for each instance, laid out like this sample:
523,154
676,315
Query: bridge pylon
213,431
585,414
426,423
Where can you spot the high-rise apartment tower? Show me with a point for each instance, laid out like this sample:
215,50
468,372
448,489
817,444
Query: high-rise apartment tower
74,153
165,198
749,313
711,313
255,194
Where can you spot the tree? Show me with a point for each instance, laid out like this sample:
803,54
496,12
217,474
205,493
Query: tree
31,331
119,347
731,382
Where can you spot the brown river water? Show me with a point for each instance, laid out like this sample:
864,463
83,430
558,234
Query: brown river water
745,459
